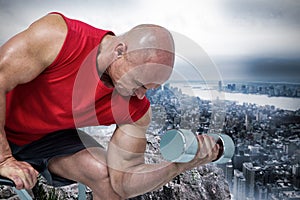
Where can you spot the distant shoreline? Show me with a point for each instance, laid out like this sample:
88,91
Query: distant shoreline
295,82
285,103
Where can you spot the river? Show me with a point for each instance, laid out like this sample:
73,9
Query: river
286,103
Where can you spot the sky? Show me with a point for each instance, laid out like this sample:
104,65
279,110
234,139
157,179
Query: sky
244,39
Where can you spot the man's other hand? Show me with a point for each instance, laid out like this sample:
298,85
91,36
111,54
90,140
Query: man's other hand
21,173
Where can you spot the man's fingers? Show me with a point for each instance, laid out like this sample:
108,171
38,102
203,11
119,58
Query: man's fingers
18,182
214,148
208,147
30,178
30,175
22,174
24,181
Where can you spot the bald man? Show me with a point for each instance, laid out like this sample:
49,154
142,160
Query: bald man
61,74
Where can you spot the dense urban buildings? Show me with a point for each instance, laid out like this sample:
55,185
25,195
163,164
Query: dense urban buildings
266,164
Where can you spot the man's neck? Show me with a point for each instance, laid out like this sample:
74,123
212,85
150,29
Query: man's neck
104,59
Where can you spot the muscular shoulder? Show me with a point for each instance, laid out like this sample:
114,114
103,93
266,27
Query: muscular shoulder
47,36
39,43
28,53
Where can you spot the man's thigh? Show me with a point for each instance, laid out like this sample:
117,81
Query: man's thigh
88,165
55,145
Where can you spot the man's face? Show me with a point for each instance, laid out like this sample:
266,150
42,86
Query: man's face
136,72
135,81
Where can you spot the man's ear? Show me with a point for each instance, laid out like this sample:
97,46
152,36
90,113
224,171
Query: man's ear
120,50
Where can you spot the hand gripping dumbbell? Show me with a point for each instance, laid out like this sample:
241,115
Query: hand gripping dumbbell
181,145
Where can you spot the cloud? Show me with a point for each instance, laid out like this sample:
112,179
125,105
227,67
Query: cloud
260,68
224,29
274,69
15,15
264,12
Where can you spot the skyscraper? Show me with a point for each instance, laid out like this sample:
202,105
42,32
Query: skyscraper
239,185
229,174
249,172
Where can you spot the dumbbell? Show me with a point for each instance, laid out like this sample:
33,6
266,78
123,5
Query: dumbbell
181,145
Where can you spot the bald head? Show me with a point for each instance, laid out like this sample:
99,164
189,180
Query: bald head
149,36
149,43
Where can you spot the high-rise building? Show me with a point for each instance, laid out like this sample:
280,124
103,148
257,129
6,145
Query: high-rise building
262,192
296,175
249,172
229,174
220,85
239,159
239,185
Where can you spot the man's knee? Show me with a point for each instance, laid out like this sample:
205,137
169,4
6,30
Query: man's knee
95,164
100,173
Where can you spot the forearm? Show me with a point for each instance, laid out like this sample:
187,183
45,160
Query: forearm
129,174
5,151
145,177
4,147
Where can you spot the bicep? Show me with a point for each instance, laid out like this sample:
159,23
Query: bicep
125,152
128,144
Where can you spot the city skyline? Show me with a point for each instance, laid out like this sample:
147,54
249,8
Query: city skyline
266,160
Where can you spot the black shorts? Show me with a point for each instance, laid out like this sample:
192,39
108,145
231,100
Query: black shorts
60,143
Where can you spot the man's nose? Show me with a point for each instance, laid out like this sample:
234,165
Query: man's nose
140,93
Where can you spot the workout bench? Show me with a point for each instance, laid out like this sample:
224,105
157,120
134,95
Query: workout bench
24,195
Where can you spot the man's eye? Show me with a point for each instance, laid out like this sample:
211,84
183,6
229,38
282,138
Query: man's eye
144,87
140,85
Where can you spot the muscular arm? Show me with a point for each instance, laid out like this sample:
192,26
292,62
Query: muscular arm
23,58
130,176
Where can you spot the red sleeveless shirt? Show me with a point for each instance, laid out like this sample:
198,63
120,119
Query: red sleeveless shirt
69,93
